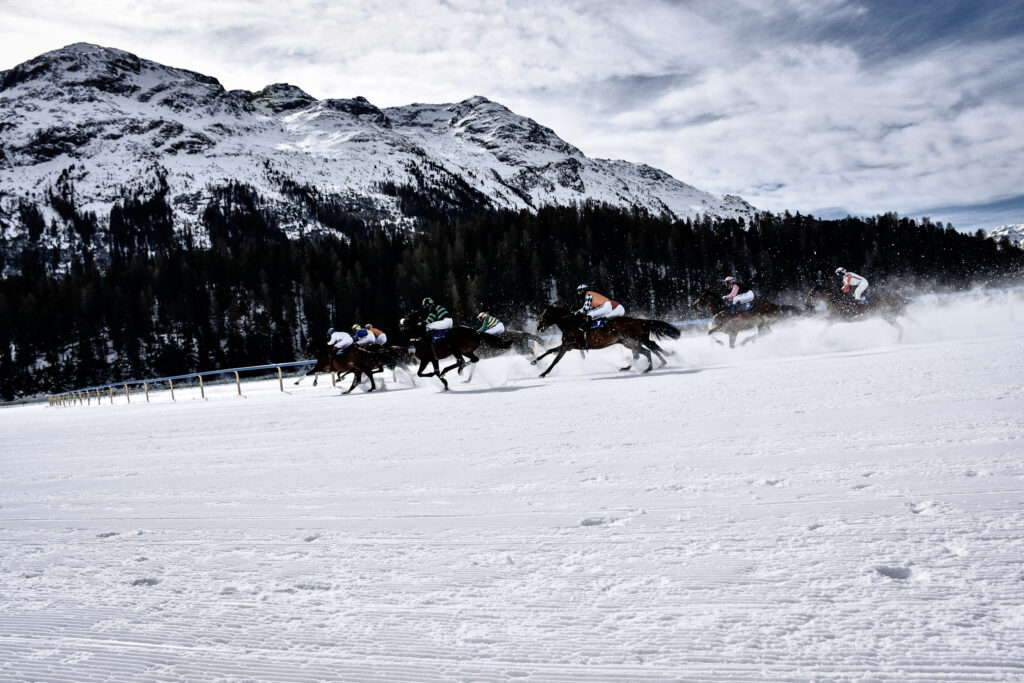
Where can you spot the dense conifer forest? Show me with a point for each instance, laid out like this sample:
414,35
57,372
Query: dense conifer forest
138,301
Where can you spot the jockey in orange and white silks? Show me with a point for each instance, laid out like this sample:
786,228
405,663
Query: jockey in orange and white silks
597,306
339,341
858,283
738,293
379,338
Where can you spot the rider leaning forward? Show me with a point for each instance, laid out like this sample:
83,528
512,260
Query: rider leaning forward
596,306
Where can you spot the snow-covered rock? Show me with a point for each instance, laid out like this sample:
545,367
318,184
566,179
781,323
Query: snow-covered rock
102,124
1014,232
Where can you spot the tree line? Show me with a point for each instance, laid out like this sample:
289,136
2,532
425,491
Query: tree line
155,304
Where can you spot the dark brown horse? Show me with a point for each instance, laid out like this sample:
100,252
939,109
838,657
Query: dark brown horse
841,308
633,333
763,314
460,342
353,359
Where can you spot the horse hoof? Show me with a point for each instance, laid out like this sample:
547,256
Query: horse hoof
626,369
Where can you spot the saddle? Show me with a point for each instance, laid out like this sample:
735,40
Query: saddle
436,335
598,324
741,308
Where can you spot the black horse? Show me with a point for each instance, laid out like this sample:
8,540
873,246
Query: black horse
460,342
633,333
509,340
841,308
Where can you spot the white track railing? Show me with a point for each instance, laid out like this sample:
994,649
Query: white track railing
103,392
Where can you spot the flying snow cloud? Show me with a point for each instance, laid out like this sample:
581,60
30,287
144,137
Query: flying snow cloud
822,106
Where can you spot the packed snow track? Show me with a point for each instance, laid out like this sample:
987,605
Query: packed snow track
838,507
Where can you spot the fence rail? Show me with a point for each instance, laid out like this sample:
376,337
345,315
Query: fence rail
109,391
85,395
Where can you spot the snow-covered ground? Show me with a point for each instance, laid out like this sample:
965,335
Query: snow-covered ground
834,508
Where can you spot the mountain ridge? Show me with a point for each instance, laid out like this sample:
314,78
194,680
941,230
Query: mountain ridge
99,124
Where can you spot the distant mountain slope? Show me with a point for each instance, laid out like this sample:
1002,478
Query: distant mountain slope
1015,233
94,125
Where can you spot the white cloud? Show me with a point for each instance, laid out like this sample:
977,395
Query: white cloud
714,93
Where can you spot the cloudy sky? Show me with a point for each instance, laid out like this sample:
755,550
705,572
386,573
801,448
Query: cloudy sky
822,106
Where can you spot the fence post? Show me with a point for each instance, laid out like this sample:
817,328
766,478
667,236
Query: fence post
99,398
110,390
171,382
280,379
202,390
127,394
145,386
238,383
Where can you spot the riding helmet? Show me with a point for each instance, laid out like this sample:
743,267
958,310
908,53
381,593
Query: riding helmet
840,271
582,288
427,301
356,328
330,331
730,279
482,315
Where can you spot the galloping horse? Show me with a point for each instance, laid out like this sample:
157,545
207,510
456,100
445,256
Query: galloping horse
841,309
514,340
353,359
633,333
460,342
763,314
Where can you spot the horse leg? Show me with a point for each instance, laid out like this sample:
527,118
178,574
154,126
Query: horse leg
357,377
470,378
546,353
561,352
423,365
373,385
895,323
657,350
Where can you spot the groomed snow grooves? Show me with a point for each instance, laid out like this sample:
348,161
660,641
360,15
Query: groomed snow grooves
807,508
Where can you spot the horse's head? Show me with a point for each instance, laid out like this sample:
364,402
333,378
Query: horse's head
704,300
551,315
311,349
412,322
818,293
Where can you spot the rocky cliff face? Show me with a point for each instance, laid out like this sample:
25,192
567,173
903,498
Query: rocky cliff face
94,125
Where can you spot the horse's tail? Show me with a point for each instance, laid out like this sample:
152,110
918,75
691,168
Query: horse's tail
660,328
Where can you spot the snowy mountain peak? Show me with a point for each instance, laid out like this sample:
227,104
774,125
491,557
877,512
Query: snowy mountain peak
109,124
279,97
1013,232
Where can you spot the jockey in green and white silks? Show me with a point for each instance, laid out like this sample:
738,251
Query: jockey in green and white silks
437,318
490,325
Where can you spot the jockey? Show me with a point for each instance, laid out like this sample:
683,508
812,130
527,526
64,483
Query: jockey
860,284
490,325
596,306
362,336
379,338
339,341
738,294
437,318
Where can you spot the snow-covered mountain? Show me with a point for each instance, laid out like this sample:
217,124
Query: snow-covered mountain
1014,232
96,124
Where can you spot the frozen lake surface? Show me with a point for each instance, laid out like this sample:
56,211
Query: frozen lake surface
833,508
